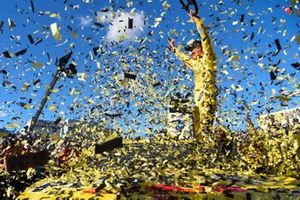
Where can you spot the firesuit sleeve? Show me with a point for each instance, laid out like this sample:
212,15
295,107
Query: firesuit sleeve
184,58
208,51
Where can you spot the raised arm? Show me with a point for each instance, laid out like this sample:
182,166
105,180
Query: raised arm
206,42
182,56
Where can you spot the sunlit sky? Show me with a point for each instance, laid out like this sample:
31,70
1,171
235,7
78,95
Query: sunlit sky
244,35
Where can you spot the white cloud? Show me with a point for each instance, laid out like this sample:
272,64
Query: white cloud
118,29
85,21
104,17
3,112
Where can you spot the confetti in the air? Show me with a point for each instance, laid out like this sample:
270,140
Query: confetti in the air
149,99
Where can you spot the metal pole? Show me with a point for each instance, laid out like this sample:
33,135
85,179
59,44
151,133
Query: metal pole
61,67
44,100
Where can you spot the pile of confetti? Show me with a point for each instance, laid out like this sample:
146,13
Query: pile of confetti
170,167
167,161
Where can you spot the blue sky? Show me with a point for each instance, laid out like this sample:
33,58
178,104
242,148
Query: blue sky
245,50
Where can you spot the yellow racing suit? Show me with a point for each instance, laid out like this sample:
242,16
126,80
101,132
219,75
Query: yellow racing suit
205,92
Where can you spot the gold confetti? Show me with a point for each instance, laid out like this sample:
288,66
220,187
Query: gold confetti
55,32
53,108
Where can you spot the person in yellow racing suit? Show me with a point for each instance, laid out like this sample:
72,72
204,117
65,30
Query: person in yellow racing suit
202,61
